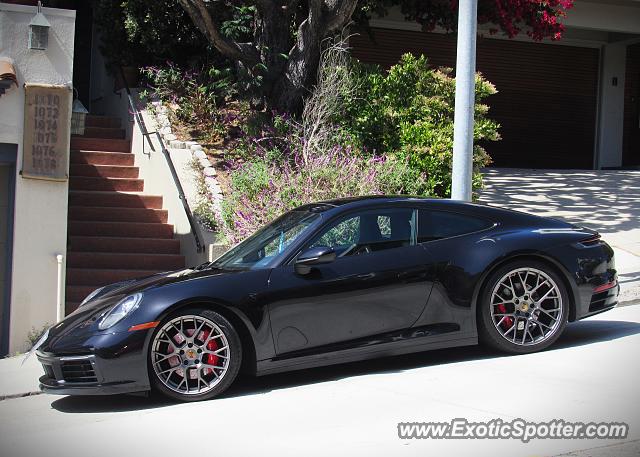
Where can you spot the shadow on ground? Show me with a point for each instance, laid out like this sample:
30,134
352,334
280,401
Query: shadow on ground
607,201
577,334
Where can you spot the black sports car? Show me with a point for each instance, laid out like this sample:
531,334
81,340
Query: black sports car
334,282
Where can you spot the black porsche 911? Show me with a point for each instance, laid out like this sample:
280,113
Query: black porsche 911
335,282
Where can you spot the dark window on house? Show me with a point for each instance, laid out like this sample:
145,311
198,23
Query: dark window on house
435,225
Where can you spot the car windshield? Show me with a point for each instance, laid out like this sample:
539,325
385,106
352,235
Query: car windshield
261,248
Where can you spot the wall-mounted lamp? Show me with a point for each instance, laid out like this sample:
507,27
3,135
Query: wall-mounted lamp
78,117
7,75
39,30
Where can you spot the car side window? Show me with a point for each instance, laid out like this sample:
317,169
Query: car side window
369,231
436,225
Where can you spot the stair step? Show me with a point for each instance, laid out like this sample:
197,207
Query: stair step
93,120
123,229
106,184
70,307
89,213
77,293
124,245
102,158
114,233
97,277
103,132
100,144
103,171
125,261
114,199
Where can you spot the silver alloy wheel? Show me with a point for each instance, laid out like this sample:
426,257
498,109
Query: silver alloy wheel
190,354
526,306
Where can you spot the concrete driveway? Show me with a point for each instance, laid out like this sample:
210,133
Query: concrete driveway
607,201
591,374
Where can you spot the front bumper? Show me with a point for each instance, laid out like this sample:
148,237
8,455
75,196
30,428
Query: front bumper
96,370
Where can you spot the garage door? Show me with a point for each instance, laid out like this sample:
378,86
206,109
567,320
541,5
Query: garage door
547,94
631,142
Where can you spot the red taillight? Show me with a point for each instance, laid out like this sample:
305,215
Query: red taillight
591,240
604,287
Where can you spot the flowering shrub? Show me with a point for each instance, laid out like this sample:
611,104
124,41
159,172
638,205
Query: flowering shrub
262,189
393,134
539,18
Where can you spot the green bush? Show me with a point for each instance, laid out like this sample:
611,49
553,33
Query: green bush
272,176
393,135
407,113
198,93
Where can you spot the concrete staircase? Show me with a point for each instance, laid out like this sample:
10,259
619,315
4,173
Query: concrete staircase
115,231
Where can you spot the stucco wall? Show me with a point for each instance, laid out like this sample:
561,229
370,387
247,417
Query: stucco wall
159,181
612,104
605,15
40,221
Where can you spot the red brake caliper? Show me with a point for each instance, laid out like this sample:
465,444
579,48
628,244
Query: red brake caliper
507,323
211,346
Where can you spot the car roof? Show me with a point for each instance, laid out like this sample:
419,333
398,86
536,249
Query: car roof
355,202
340,205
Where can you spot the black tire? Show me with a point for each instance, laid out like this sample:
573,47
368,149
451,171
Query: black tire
234,357
488,332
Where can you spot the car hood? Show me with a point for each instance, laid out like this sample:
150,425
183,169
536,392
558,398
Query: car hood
131,286
81,321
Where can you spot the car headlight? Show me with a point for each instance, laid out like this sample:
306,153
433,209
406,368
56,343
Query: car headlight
91,296
118,312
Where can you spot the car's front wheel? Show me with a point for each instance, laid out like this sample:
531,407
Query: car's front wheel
194,355
524,307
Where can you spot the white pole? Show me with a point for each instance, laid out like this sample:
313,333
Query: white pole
59,304
465,100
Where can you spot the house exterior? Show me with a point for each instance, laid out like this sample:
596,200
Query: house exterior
574,103
33,212
84,208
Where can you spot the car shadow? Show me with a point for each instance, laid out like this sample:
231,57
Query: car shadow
576,334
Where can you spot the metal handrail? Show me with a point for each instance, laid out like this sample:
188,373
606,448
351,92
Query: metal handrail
172,168
136,114
183,198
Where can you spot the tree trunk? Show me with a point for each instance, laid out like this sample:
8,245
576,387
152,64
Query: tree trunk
289,91
296,81
288,68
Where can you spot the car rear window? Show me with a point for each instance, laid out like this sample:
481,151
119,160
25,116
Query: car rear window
435,225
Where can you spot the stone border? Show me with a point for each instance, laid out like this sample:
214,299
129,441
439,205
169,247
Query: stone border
197,151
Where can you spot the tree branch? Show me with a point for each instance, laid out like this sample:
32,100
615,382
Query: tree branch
201,17
339,13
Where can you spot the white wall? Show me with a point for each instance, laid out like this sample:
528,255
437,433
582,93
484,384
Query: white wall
40,221
612,105
159,181
620,17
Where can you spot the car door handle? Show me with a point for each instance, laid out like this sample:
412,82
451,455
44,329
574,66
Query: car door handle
365,276
411,274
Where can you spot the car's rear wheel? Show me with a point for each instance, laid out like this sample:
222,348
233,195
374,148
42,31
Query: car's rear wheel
194,355
524,307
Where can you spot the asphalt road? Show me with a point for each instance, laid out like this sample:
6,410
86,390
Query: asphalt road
591,374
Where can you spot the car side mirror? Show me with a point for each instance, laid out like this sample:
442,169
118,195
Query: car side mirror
314,256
